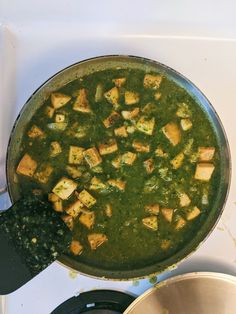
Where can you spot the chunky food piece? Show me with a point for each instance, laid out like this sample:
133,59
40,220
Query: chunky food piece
64,188
152,81
55,149
160,152
108,210
150,222
73,172
99,93
43,173
131,114
68,220
59,100
108,148
167,214
76,155
206,153
152,209
117,162
165,244
181,222
49,111
186,124
149,108
56,202
157,96
183,111
184,200
121,132
27,166
92,157
96,239
146,125
149,165
120,185
172,132
97,184
81,103
35,131
128,158
131,98
86,198
75,208
111,119
57,126
193,213
177,161
119,81
204,171
87,218
141,147
112,96
76,248
60,117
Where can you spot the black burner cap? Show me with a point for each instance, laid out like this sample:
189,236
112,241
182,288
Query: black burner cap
96,302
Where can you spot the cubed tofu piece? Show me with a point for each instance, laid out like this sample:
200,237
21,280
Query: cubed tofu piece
60,117
43,173
194,213
49,111
181,222
99,93
152,209
27,166
149,165
111,119
186,124
92,157
204,171
183,111
167,214
177,161
150,222
75,208
130,115
56,202
64,188
55,148
146,125
116,162
159,152
206,153
121,132
57,126
97,184
86,198
76,155
141,147
68,220
59,100
152,81
120,185
108,148
128,158
131,98
87,218
119,81
76,248
130,129
35,131
108,210
172,132
157,96
184,200
96,239
81,103
73,172
165,244
112,96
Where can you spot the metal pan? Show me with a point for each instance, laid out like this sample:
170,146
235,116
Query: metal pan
106,62
194,293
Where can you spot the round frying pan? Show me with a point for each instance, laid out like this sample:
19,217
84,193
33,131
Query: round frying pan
107,62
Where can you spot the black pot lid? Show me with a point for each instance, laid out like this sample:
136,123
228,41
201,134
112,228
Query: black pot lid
96,302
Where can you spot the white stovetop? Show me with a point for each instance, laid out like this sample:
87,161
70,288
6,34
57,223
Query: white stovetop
198,40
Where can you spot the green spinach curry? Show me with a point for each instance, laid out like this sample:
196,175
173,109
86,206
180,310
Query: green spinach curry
130,161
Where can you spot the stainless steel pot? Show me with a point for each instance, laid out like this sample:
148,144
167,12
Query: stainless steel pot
106,62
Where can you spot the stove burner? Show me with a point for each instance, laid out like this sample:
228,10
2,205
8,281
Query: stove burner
96,302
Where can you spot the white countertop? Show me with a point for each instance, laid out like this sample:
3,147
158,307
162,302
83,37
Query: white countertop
197,39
